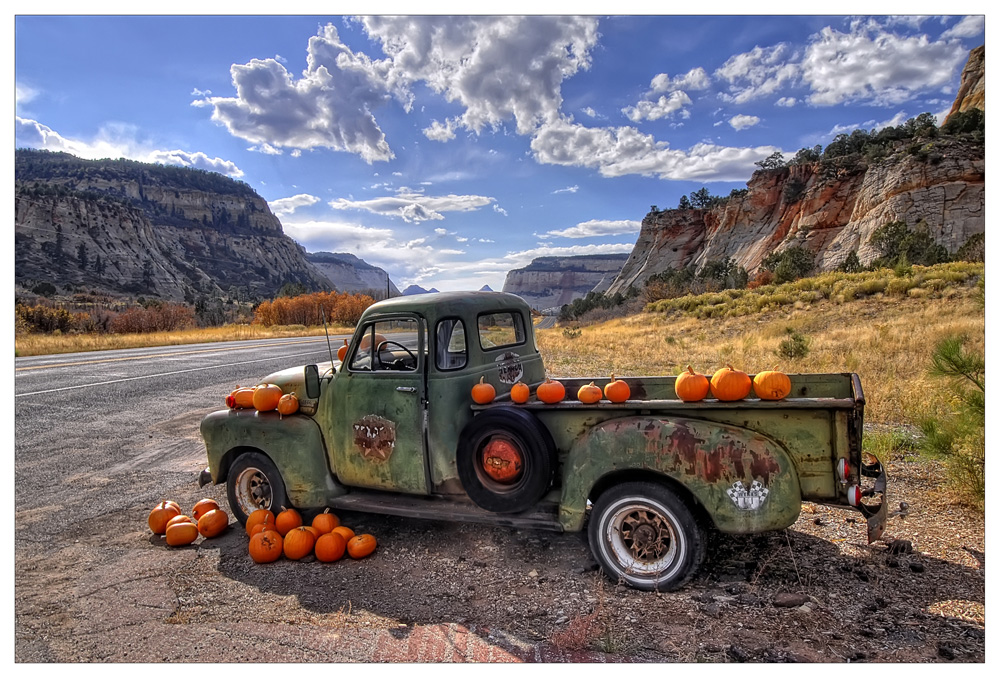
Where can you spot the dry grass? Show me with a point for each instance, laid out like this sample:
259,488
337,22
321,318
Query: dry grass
886,340
46,344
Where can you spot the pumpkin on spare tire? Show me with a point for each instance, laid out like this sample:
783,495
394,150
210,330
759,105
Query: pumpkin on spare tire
266,546
771,385
299,543
259,516
483,393
330,547
730,384
550,392
213,523
520,393
617,391
161,515
691,386
287,520
181,534
589,393
288,404
361,546
266,397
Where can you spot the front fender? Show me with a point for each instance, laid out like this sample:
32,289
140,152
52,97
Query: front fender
746,482
294,443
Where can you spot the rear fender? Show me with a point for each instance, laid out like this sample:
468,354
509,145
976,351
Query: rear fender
294,443
746,482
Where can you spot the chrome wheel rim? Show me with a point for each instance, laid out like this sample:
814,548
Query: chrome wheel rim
253,490
643,538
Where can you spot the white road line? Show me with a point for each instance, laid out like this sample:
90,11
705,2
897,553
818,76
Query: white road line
160,374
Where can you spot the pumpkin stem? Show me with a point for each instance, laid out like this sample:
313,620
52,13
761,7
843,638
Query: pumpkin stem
690,369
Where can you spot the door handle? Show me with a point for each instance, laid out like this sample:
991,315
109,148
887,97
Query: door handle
406,389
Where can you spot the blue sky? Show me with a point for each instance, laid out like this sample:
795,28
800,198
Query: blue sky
452,150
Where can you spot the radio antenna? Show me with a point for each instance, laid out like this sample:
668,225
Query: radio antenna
327,332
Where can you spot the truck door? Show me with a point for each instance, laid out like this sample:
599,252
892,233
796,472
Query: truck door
379,408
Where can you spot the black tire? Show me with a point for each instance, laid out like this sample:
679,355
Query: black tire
254,483
519,434
646,536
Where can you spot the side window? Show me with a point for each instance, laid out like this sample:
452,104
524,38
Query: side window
387,345
449,342
497,330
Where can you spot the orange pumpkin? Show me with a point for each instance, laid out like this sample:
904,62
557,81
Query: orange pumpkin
243,397
266,397
288,404
325,522
299,543
266,546
213,523
345,532
342,351
366,341
161,515
181,519
203,507
287,520
330,547
550,391
691,386
361,546
260,516
181,534
260,527
483,393
520,392
730,384
589,393
771,385
617,391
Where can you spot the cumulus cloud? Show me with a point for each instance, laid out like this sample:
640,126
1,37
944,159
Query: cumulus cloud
286,206
739,122
596,228
760,72
967,27
412,206
673,99
665,106
624,150
786,102
695,79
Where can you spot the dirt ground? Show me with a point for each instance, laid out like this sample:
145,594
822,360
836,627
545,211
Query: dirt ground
437,592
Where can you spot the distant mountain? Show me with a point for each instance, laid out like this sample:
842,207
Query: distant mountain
485,288
417,289
548,283
348,273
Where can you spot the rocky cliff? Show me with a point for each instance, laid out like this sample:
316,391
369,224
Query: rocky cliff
348,273
550,282
123,227
972,90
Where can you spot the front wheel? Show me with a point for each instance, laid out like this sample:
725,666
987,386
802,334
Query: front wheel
254,483
643,534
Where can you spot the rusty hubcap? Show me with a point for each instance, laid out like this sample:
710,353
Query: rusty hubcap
646,535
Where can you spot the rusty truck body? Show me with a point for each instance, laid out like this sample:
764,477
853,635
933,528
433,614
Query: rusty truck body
392,429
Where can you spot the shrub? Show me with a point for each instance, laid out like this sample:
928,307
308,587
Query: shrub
795,345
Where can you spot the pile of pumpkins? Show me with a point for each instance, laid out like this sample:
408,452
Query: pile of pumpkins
206,520
263,398
727,384
551,392
284,534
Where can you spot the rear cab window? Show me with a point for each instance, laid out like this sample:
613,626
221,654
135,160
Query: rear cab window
500,330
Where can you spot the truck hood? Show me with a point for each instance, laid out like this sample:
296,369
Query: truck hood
293,380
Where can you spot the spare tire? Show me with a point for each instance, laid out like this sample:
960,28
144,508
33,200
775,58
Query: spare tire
506,459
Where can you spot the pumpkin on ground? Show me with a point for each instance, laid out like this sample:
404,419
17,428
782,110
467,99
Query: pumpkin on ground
161,515
730,384
325,521
260,527
299,543
287,520
589,393
483,393
617,391
266,546
203,507
330,547
360,546
771,385
181,519
213,523
345,532
259,516
550,391
181,534
691,386
520,392
266,397
243,397
288,404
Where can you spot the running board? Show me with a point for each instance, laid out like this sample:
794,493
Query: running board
544,516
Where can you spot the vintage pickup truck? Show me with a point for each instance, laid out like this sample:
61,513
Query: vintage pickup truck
392,429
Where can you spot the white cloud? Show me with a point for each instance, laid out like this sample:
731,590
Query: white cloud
663,107
596,228
286,206
786,102
412,206
740,122
696,79
568,189
116,141
968,27
23,94
675,100
760,72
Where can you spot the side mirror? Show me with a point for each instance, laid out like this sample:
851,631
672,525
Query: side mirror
312,382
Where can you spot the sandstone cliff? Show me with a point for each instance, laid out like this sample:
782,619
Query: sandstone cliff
550,282
348,273
972,90
123,227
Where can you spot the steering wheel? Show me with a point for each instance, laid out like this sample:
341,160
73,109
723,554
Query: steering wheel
382,345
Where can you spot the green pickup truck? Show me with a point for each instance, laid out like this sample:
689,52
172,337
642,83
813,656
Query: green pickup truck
391,428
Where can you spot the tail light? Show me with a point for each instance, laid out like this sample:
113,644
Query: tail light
854,495
843,470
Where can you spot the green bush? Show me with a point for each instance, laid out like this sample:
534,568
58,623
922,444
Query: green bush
795,345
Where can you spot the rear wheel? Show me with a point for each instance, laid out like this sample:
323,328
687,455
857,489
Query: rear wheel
254,483
645,535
